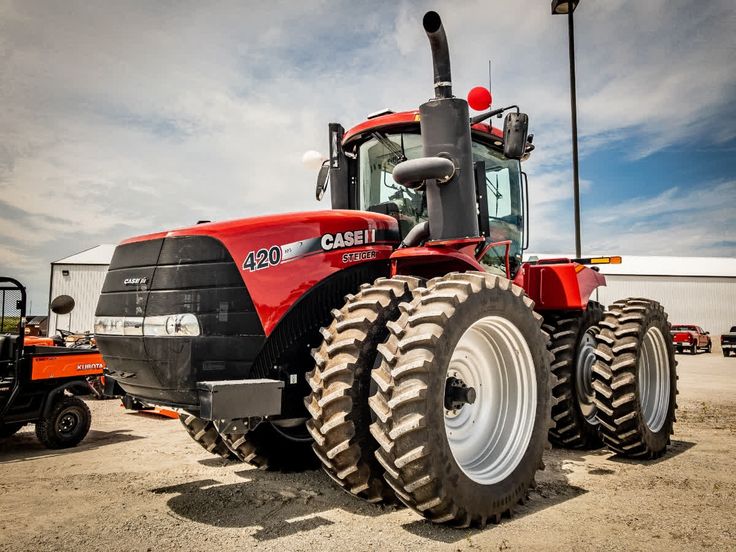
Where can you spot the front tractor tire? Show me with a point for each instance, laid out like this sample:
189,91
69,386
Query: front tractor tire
340,382
273,446
573,342
205,434
635,379
463,398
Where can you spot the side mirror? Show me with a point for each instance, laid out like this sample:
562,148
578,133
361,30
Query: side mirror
515,129
323,180
63,304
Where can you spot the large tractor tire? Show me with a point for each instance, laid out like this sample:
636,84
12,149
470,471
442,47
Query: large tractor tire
463,399
66,424
8,430
573,345
205,434
341,382
275,448
635,379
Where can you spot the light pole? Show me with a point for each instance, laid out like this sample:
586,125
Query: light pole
567,7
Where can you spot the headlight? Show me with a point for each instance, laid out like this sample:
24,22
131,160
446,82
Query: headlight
109,325
169,325
133,325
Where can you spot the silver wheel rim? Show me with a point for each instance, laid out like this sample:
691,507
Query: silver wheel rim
584,376
654,380
489,438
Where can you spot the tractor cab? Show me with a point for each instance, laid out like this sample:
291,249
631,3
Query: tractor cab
363,180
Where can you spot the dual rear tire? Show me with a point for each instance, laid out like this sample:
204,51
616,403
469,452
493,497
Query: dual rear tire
459,397
635,379
573,343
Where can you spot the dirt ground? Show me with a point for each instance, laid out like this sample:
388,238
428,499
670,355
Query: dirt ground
139,483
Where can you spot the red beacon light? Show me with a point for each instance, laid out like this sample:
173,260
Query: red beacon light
479,98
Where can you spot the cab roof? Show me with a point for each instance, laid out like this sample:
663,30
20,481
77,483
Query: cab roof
406,118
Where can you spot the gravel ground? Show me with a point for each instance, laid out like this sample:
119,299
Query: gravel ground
139,483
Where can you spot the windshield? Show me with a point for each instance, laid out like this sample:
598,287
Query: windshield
382,152
378,157
683,328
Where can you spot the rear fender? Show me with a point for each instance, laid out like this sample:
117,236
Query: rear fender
563,286
76,387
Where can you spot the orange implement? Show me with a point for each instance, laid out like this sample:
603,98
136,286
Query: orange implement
30,340
67,366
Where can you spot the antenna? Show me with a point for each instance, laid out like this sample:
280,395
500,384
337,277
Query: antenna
490,82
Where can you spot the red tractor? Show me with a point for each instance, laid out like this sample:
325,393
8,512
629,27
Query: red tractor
435,362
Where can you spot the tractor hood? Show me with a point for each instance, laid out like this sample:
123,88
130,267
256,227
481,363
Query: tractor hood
203,303
279,257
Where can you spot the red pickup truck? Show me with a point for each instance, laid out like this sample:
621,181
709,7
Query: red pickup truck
690,337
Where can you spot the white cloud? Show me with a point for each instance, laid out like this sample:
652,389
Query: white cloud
123,118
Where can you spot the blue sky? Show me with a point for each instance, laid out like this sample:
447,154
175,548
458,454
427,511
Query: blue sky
129,117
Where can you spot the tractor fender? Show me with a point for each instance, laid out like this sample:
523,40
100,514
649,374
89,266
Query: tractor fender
77,387
437,260
560,286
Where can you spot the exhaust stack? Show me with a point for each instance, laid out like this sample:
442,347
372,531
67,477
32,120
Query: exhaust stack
440,54
444,120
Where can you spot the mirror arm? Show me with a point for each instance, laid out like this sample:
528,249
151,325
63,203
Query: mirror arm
493,112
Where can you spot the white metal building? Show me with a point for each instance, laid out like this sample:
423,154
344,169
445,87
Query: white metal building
693,290
81,277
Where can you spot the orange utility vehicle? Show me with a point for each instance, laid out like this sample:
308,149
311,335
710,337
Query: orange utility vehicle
40,381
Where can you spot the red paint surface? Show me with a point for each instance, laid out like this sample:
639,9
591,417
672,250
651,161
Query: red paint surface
275,289
562,286
406,118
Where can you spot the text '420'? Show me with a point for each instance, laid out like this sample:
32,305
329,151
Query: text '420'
262,258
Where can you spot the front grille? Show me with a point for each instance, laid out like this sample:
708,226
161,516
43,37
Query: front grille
177,275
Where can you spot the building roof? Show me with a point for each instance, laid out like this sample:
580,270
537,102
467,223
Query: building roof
36,319
99,255
633,265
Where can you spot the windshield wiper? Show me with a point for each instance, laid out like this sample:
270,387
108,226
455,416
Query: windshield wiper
392,147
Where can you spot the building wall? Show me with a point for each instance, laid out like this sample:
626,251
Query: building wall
706,302
83,284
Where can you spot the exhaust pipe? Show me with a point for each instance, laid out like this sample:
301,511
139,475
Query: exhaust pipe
440,54
447,166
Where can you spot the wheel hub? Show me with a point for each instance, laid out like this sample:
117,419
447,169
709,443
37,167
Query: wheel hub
491,380
654,379
458,394
67,422
584,376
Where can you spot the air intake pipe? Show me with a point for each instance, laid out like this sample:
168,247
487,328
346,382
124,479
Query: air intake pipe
451,198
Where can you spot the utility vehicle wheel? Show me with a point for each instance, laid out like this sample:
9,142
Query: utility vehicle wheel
6,430
725,352
463,399
635,379
66,424
341,383
205,433
573,345
709,348
276,448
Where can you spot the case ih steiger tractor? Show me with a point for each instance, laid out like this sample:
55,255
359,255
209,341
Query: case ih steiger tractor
434,362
